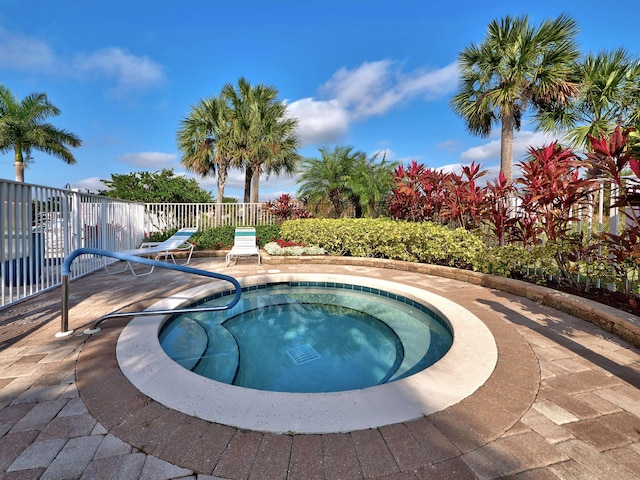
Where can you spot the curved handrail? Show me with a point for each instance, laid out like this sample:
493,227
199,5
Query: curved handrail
66,272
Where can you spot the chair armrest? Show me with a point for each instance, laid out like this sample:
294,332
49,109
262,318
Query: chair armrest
149,244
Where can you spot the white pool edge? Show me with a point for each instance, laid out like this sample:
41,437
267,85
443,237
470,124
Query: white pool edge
468,364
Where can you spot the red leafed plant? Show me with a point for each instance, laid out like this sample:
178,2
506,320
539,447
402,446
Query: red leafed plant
611,159
552,195
285,208
553,190
465,202
498,214
287,243
419,194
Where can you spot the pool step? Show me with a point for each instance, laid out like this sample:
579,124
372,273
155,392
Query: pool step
185,341
220,360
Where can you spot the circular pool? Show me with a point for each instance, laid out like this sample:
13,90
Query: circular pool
308,337
465,367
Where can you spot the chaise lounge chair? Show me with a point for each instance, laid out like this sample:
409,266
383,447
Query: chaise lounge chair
160,250
244,244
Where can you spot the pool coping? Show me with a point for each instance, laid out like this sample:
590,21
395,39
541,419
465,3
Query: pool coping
465,368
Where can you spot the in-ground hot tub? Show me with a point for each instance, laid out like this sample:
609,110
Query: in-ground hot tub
467,364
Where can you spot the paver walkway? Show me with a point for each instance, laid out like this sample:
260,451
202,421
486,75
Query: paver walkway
563,401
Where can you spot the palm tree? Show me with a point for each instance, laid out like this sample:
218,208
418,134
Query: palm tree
346,177
23,128
370,182
517,67
327,177
203,139
609,95
262,138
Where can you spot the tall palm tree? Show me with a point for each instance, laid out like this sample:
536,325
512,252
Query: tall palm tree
517,67
608,96
203,140
263,138
23,128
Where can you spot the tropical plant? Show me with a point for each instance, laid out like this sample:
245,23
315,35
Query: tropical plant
610,159
370,184
262,137
553,192
498,214
285,208
516,68
329,177
419,193
424,242
609,95
203,140
24,128
466,202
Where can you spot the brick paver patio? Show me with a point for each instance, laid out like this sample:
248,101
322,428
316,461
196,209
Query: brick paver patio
562,403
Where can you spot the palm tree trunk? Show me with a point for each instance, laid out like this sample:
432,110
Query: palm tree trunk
222,180
248,173
255,184
506,146
19,164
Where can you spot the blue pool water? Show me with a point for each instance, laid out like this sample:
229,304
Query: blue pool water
308,337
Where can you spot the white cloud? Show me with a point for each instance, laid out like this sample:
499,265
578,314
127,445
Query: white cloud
319,121
127,72
374,88
130,72
488,151
92,185
371,89
450,168
148,160
492,171
18,52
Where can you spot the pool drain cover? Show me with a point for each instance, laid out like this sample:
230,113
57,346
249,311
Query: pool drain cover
303,354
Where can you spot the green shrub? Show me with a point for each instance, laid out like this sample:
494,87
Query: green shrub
219,237
214,238
506,261
384,238
159,236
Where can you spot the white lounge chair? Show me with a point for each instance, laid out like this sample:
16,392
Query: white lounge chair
160,250
244,244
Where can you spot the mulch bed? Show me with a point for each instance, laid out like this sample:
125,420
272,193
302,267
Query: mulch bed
619,300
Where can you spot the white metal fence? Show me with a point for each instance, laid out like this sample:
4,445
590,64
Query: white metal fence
164,216
41,225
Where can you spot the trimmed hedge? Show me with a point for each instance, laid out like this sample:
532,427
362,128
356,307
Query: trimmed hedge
384,238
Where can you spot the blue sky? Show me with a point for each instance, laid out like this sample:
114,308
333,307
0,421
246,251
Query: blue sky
375,75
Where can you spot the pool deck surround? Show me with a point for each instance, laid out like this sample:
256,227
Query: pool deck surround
563,400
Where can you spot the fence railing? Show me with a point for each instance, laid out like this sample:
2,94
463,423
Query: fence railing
41,225
164,216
